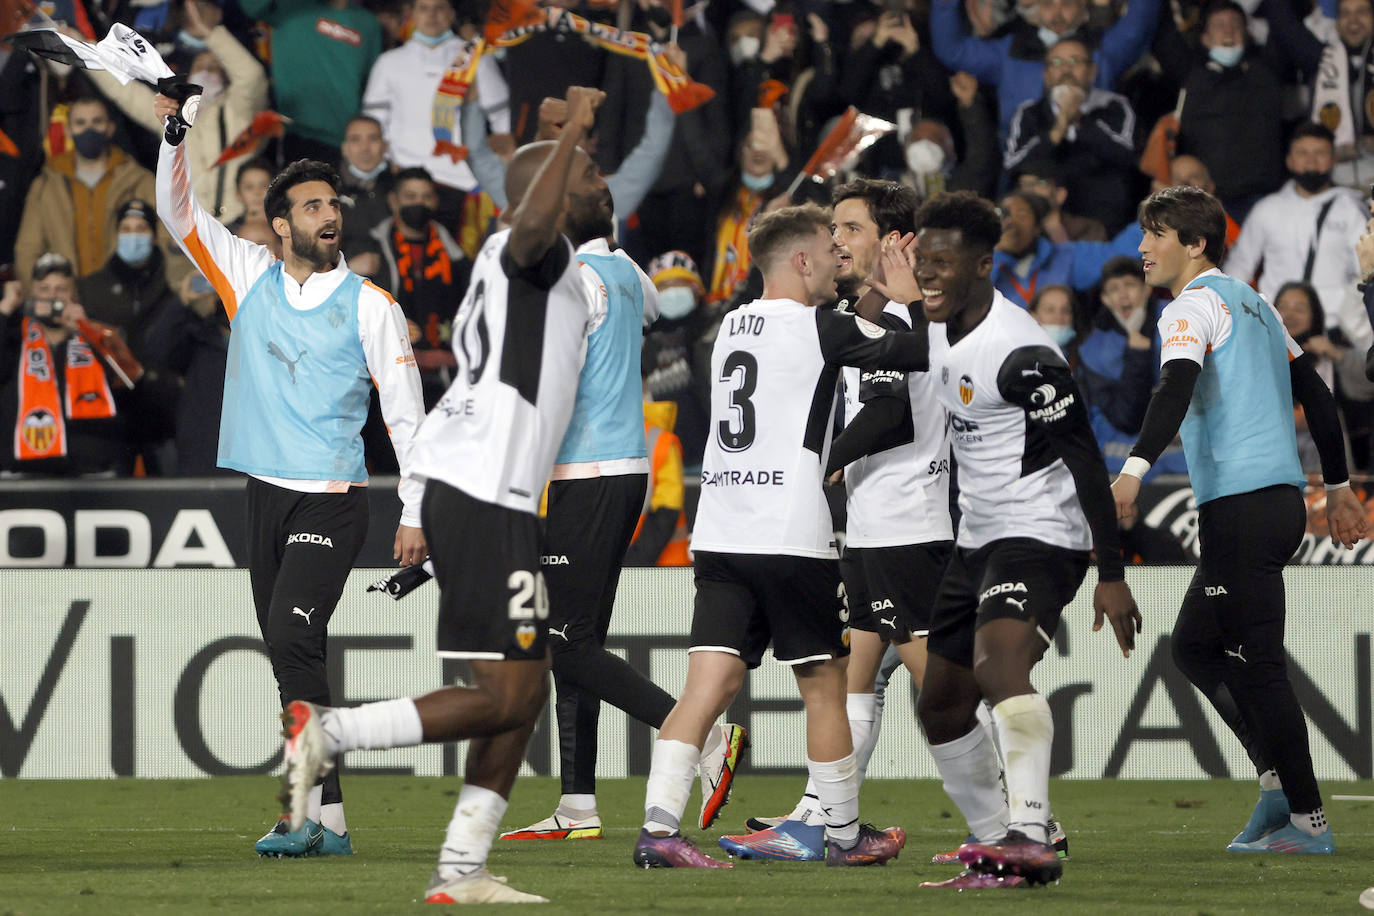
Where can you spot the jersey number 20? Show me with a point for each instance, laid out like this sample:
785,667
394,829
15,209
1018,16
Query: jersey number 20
737,432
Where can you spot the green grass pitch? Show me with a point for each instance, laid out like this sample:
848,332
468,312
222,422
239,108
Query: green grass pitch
129,846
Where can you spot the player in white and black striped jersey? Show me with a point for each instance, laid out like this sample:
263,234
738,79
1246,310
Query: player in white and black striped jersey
766,567
1034,499
486,451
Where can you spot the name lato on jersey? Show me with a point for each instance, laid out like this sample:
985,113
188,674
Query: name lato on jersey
743,323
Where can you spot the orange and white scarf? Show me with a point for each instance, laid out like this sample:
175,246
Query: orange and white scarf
40,430
511,22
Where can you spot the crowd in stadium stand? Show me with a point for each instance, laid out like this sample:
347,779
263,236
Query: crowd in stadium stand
1065,112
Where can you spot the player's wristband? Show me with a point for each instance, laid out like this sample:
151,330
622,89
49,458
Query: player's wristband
1136,467
1344,484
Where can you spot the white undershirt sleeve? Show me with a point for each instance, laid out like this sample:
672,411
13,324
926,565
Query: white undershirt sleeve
386,344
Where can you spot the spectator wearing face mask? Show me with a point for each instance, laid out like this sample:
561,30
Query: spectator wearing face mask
71,206
400,95
1303,230
932,162
1231,90
673,368
762,161
1053,308
426,272
366,180
131,295
65,410
235,90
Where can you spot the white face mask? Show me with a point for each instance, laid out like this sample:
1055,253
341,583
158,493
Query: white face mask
211,80
1061,334
676,302
746,47
925,157
1226,55
1132,324
1049,37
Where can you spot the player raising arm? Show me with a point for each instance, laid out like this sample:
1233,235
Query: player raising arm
309,339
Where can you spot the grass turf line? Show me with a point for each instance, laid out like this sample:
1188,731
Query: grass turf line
145,846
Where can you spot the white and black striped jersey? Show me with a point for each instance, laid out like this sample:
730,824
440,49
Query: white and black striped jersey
900,494
1015,419
773,370
520,337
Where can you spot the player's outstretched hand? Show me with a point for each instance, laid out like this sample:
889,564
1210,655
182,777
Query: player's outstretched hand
582,105
1345,517
1125,489
1113,601
410,547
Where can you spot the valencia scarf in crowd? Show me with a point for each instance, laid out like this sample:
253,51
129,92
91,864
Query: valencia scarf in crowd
732,246
1332,103
425,272
40,431
511,22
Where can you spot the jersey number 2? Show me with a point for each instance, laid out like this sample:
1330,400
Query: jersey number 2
737,433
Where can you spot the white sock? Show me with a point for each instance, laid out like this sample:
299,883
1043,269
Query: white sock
312,803
671,770
973,781
372,726
1269,779
808,810
862,709
1313,824
467,843
984,714
576,807
713,746
837,786
332,817
1027,731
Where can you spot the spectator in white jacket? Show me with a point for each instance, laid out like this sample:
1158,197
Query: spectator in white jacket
1303,231
400,94
235,90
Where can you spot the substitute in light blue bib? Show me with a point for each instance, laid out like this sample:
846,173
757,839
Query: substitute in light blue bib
1238,434
608,416
296,387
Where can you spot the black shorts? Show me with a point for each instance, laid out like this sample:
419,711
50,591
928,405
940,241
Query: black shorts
898,586
588,526
492,602
746,601
1020,578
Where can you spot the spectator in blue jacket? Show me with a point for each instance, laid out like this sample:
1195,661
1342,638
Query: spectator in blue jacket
1025,260
1013,61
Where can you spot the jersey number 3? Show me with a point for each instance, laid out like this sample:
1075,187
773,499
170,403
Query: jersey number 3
737,432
